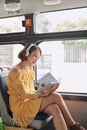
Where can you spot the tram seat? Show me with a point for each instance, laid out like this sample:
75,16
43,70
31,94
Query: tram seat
40,120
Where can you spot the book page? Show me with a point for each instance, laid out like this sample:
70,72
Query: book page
46,88
48,80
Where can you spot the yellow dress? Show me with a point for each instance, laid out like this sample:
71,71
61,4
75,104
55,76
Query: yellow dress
24,110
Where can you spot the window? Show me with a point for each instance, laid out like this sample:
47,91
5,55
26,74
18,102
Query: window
61,21
11,25
44,64
72,68
75,51
9,55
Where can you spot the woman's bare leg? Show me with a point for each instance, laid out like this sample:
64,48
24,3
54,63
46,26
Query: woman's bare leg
56,98
58,119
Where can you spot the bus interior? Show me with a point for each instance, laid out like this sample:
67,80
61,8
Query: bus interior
61,32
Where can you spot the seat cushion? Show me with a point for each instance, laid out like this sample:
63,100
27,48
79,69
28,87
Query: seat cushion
41,116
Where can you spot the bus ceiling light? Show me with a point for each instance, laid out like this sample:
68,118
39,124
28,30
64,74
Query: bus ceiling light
12,6
52,2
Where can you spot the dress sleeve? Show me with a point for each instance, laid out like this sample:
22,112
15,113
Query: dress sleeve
15,78
17,82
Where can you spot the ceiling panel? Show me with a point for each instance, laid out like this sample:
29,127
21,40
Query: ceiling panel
31,6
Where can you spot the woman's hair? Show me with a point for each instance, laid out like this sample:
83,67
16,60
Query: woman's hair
28,49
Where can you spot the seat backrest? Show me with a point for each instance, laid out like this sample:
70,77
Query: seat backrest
3,88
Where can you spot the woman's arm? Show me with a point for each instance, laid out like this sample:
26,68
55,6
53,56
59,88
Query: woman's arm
20,88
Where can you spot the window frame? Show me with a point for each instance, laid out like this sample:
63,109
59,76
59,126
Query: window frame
24,38
56,11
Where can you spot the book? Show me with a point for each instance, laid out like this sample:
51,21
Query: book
46,82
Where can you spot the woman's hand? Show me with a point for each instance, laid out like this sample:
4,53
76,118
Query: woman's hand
48,91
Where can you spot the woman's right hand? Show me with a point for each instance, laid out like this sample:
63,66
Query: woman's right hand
44,94
48,91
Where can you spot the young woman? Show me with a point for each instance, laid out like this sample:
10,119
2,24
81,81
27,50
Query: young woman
25,103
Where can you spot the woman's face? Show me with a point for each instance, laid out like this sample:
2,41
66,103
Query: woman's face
33,57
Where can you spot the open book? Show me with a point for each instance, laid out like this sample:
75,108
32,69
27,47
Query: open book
46,82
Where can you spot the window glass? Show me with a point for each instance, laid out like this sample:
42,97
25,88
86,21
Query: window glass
9,55
11,25
66,60
61,21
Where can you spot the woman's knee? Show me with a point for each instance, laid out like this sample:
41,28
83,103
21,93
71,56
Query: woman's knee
58,96
53,109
